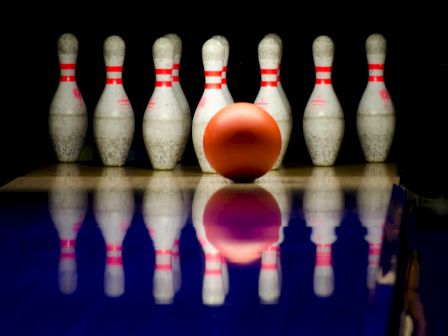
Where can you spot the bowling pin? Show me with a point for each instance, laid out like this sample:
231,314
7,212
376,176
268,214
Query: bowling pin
67,204
279,83
215,284
68,114
323,120
113,207
269,281
163,122
179,93
212,99
372,199
323,206
269,97
163,213
375,118
113,122
224,87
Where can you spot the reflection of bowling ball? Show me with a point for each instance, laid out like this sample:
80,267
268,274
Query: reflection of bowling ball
242,142
241,223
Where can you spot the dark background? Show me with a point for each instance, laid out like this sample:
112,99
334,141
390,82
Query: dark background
415,75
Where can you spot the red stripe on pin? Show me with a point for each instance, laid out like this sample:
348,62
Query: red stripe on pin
376,78
224,68
175,78
163,267
269,83
376,66
67,78
176,66
212,257
68,66
114,68
213,73
67,243
66,255
224,81
269,267
323,68
163,83
163,71
114,81
213,85
163,252
214,271
113,248
114,260
269,71
323,81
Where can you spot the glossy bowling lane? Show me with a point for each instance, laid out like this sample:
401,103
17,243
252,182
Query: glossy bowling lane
120,251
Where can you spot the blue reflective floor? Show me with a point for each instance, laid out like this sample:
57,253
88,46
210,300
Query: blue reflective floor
164,255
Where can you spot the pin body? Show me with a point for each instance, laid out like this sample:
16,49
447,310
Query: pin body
113,122
212,99
376,114
163,122
323,120
68,114
269,97
179,93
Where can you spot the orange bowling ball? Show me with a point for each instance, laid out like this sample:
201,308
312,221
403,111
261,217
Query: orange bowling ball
242,142
241,223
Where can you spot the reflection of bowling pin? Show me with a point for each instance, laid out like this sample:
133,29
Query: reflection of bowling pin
224,87
179,93
68,113
269,97
323,120
113,122
270,275
163,122
113,206
373,199
215,284
323,205
68,206
212,99
376,114
163,212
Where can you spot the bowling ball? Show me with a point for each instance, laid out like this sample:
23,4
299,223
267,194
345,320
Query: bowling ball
242,142
241,222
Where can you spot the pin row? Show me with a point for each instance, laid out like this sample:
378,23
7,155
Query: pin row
168,123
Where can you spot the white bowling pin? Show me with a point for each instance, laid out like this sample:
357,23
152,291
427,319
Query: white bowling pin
215,282
67,204
279,83
373,198
375,118
163,213
113,122
323,206
163,122
179,93
113,207
224,87
68,114
212,99
269,97
323,120
269,281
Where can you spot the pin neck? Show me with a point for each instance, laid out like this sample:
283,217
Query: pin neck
213,79
175,72
323,255
376,72
323,75
163,259
269,77
163,77
67,71
114,255
224,75
114,74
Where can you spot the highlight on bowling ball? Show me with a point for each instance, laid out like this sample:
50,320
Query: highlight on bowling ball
242,142
242,222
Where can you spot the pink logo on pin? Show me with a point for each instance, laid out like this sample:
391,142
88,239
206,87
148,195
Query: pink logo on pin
151,104
262,103
384,95
76,93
